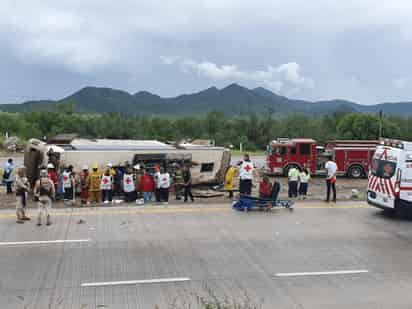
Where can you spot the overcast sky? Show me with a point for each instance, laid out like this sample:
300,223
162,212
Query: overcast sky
321,49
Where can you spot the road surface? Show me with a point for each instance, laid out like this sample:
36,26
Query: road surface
319,256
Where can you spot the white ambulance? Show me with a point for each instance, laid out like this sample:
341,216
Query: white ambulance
390,176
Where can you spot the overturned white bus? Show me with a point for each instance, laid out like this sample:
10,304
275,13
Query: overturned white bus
208,163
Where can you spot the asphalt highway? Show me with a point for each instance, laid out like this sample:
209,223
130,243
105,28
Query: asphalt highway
318,256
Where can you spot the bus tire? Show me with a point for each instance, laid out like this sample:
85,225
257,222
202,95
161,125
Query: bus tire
356,171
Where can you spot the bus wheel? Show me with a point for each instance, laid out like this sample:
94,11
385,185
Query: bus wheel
356,171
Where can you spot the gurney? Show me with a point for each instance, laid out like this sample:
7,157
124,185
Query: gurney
247,203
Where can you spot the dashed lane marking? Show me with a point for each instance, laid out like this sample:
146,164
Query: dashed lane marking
134,282
42,242
323,273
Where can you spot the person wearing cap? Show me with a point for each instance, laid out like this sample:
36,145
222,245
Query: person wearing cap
246,175
22,188
45,194
84,185
51,172
112,169
94,185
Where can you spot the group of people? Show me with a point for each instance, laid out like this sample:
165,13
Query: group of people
298,181
93,186
133,184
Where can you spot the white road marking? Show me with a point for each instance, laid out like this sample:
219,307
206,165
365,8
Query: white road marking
147,281
42,242
323,273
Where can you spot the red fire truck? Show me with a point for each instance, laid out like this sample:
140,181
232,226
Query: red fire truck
353,157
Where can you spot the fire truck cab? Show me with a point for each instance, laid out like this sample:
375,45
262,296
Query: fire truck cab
390,177
352,157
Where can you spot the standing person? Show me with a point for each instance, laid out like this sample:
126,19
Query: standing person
265,188
187,183
138,183
178,182
94,185
22,189
157,183
148,186
331,169
51,173
304,178
293,178
68,184
45,193
129,186
246,170
164,184
118,180
230,180
106,186
8,177
84,185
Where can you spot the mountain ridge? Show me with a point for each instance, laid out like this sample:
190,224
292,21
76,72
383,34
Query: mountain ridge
233,99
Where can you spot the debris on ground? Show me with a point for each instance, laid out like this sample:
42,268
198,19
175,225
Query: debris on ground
81,221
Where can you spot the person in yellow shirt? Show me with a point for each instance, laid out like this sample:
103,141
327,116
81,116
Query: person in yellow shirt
112,170
230,180
94,185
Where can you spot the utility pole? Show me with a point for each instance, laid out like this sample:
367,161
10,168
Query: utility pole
380,123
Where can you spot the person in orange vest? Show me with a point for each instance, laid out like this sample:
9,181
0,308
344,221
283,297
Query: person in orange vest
94,185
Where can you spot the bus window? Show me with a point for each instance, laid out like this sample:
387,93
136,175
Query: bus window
383,168
304,149
281,150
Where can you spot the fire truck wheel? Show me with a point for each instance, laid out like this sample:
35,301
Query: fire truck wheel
356,171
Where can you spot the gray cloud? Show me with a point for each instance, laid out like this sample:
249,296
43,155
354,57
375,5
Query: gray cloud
285,46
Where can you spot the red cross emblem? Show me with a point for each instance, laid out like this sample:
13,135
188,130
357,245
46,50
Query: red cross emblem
128,180
248,168
65,178
105,180
164,179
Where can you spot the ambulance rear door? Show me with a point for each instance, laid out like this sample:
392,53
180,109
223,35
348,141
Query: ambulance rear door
385,170
405,186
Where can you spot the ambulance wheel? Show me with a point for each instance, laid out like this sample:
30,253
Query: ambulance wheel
356,171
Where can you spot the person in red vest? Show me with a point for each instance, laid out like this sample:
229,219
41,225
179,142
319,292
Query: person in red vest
52,175
265,188
147,186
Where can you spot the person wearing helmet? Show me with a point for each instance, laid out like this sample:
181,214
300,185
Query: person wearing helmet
45,193
84,185
112,169
53,175
106,186
22,188
94,185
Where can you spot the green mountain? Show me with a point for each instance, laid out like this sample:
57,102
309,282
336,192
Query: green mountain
232,100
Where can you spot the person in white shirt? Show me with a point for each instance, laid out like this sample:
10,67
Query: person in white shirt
164,185
304,178
246,170
331,169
